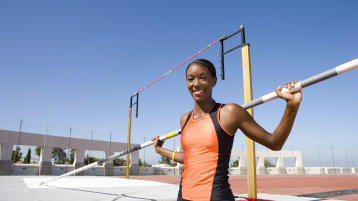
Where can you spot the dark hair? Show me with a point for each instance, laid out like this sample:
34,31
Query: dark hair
205,63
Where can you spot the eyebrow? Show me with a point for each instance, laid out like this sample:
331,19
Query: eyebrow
199,75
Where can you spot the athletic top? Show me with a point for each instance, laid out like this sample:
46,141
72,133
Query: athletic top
207,149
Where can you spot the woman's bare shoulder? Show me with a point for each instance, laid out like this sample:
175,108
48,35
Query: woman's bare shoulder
233,113
183,118
232,108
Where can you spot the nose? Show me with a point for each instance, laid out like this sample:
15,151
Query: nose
196,82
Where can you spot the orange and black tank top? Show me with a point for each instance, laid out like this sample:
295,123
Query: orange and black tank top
207,149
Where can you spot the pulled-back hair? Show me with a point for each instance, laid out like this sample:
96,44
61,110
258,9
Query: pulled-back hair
204,63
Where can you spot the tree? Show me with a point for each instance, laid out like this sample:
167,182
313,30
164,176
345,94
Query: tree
119,162
235,163
27,159
59,155
16,155
38,150
71,160
141,164
268,163
165,160
87,160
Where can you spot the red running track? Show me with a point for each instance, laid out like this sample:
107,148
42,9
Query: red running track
283,184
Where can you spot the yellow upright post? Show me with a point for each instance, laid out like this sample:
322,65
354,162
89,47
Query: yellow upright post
250,144
129,139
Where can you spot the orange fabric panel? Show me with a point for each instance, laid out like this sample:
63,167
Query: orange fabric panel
200,145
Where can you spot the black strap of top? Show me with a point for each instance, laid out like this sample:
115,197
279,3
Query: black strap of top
215,108
212,111
186,121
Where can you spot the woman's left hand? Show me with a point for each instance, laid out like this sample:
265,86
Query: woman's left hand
291,98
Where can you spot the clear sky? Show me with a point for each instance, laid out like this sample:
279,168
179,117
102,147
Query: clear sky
76,64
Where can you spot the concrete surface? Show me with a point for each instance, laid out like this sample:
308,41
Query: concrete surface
86,188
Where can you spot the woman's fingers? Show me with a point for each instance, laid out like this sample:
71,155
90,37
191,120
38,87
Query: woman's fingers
288,96
155,139
290,85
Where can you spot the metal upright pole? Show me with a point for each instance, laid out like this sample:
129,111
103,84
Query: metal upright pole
107,168
89,154
17,145
306,163
250,148
110,143
68,149
319,160
144,153
294,162
334,166
43,148
45,139
250,144
345,149
129,137
222,59
174,150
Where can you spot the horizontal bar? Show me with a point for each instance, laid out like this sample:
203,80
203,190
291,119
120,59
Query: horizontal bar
232,35
233,49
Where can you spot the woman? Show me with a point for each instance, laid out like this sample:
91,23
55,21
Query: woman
208,133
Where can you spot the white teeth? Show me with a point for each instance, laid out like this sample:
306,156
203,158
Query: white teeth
198,92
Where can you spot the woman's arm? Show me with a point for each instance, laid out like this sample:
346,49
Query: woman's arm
178,156
233,117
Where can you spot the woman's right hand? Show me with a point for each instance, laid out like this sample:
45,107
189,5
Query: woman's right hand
157,143
179,156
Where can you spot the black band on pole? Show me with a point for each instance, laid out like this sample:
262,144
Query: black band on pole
130,101
222,59
243,42
134,103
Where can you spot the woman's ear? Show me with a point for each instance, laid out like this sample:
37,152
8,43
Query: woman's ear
215,80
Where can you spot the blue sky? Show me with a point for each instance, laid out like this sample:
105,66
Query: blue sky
76,63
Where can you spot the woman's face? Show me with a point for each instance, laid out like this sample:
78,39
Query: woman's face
200,82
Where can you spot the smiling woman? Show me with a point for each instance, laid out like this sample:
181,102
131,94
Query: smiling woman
201,79
208,134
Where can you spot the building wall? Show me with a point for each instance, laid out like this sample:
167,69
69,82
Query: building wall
45,167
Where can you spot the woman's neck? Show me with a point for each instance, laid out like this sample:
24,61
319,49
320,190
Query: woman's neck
203,107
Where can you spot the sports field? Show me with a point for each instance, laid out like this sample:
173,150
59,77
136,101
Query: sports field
165,188
338,187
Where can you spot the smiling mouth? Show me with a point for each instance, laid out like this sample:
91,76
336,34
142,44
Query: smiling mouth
198,92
